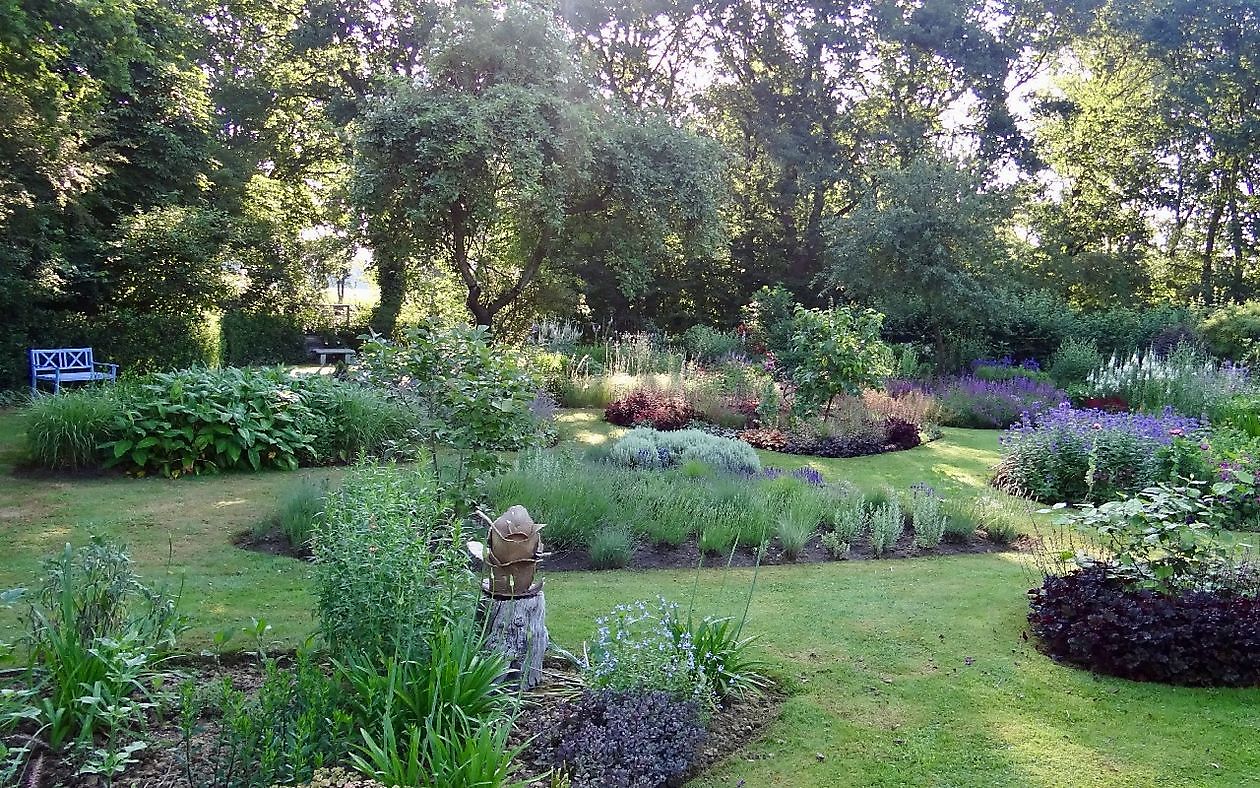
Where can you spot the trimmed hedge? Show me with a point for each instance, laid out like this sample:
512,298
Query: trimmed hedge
1199,638
258,339
136,342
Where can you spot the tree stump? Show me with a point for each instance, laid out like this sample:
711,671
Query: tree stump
516,627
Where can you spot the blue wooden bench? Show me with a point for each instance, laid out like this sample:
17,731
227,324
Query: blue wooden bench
67,365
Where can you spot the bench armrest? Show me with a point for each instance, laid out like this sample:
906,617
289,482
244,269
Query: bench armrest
112,367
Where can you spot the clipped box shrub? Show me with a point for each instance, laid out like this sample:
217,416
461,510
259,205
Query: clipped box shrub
261,339
1195,638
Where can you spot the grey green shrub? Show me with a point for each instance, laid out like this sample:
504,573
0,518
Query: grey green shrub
886,526
610,548
644,447
927,516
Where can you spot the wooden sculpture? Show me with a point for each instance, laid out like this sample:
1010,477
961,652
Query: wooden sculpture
513,603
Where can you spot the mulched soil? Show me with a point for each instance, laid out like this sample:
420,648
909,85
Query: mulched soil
272,542
687,555
161,765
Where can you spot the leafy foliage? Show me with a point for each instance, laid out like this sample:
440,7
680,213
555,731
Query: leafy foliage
390,563
195,421
834,352
470,399
97,635
1198,638
631,739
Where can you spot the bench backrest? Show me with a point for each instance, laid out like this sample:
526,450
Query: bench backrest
66,359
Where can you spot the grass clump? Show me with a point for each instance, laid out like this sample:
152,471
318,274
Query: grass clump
611,547
65,431
299,511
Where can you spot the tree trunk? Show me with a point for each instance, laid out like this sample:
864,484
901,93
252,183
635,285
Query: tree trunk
391,278
517,629
1206,284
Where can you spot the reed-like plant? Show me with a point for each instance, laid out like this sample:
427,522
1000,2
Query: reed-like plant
66,431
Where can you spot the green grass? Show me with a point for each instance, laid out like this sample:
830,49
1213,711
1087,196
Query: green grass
908,672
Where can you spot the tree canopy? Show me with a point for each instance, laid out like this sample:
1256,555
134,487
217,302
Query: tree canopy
642,164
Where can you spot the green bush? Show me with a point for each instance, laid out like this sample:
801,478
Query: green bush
708,344
293,725
1073,362
390,563
96,635
199,420
644,447
261,339
65,431
834,352
469,398
1233,332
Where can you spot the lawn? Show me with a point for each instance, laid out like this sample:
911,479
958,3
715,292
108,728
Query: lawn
910,672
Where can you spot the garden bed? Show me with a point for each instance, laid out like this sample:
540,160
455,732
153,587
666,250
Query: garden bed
162,765
687,555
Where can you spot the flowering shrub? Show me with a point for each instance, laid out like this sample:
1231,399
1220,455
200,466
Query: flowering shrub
650,407
1200,638
1069,454
973,402
622,739
648,448
1185,380
640,647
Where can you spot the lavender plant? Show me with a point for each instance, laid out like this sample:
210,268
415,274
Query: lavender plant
927,516
1071,454
886,526
994,404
